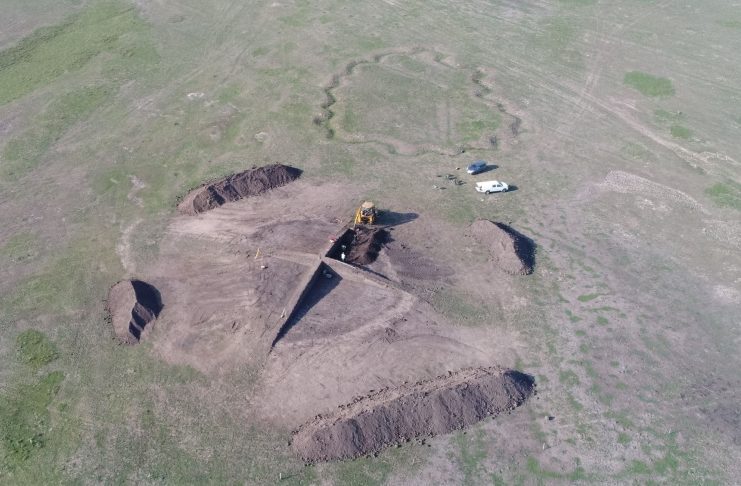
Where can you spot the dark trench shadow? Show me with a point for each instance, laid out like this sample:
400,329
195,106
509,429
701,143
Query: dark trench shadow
148,296
319,289
525,247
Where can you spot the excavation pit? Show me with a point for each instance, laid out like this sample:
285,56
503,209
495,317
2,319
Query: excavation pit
360,245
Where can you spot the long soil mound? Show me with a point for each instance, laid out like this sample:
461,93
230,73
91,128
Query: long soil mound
132,305
237,186
510,250
397,415
361,245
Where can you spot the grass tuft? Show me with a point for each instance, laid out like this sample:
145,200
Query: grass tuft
678,131
35,349
648,84
726,195
24,419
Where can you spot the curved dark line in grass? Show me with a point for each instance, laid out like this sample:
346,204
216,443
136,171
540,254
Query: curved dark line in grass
328,113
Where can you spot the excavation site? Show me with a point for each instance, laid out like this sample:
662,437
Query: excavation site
311,299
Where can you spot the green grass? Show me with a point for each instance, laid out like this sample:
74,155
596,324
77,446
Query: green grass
587,297
575,404
678,131
638,467
67,283
110,31
457,307
726,195
20,247
35,349
568,378
544,475
52,52
413,101
26,151
623,438
364,471
24,419
473,451
730,23
648,84
665,116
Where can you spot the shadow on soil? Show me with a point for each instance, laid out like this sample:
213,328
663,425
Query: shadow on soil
325,282
525,247
392,218
488,168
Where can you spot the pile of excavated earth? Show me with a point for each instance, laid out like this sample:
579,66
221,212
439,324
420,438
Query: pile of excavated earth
237,186
509,249
132,306
257,283
424,409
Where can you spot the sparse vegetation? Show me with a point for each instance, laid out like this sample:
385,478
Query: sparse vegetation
678,131
51,52
648,84
35,349
726,194
24,420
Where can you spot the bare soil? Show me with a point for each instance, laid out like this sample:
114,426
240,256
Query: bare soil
230,275
426,408
237,186
132,305
510,250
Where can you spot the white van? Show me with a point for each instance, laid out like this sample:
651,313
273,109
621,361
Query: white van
491,186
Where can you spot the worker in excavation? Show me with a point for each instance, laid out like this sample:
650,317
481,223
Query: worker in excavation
342,256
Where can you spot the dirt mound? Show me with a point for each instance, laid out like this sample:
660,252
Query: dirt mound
132,306
237,186
361,245
512,251
426,408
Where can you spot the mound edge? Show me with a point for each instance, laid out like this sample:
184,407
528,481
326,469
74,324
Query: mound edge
251,182
426,408
510,250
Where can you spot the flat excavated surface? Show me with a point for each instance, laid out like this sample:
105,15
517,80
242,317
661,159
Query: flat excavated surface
229,275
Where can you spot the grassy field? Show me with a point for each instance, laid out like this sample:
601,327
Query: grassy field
626,165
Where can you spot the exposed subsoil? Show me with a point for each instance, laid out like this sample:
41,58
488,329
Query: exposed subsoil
409,263
237,186
510,250
362,245
132,305
426,408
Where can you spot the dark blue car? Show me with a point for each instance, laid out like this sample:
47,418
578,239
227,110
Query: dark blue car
476,167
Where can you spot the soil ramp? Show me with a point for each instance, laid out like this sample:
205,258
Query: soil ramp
251,182
400,414
132,305
510,250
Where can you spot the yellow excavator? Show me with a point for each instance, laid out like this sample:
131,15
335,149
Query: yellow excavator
366,213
